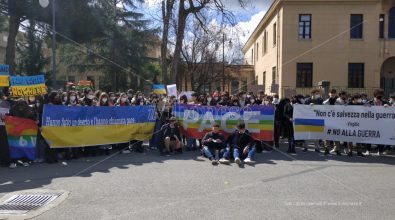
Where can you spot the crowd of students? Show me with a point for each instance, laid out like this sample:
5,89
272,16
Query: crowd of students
168,139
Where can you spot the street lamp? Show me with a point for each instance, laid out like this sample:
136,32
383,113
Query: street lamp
44,4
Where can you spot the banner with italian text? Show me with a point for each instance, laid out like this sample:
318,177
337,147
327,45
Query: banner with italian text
358,124
77,126
196,120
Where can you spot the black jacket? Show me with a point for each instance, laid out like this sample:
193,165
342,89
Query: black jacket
213,136
240,141
170,132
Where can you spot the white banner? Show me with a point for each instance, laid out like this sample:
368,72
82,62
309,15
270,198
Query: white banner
172,90
358,124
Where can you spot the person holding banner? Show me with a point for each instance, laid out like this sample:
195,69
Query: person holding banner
242,145
213,144
21,110
72,99
376,101
4,148
355,100
315,99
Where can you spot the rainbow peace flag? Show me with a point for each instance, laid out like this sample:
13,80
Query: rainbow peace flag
22,136
159,89
196,121
309,125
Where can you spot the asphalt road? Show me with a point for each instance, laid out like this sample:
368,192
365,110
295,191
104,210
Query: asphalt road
149,186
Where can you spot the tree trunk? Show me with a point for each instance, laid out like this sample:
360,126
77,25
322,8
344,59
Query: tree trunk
182,18
167,11
13,27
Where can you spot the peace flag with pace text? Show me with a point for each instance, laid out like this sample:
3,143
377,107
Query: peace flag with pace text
196,120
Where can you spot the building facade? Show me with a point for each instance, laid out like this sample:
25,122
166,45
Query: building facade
350,43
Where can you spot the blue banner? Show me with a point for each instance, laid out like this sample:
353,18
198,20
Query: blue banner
27,80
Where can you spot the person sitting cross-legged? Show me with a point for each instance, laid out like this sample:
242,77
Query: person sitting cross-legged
171,137
214,145
242,145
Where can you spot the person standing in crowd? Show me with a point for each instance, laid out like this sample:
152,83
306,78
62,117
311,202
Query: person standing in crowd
89,98
191,142
314,99
130,96
377,101
21,110
72,99
235,102
355,100
104,101
391,101
213,144
171,138
242,99
224,100
113,98
334,100
242,145
183,99
4,148
252,99
123,100
288,121
279,122
64,97
140,100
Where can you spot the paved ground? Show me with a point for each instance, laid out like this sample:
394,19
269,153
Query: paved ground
149,186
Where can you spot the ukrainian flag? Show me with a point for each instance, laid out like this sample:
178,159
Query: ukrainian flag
159,89
309,125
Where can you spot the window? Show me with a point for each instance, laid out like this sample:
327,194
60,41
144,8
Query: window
381,26
304,75
356,26
274,75
391,23
252,56
264,79
274,34
257,51
256,80
356,75
305,26
265,42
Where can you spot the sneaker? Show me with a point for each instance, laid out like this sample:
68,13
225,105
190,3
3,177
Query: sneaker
305,150
332,151
379,153
214,162
224,161
238,161
367,153
249,161
25,164
13,165
126,152
359,154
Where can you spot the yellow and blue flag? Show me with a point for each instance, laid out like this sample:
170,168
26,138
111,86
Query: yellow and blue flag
309,125
159,89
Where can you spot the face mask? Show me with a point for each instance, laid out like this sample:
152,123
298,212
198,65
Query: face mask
65,99
216,97
244,96
302,101
248,96
91,96
252,100
275,100
140,97
38,104
209,99
235,103
123,99
72,98
130,95
359,100
104,99
32,99
266,102
112,98
317,96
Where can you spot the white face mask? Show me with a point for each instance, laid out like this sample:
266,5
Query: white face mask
38,104
266,102
317,96
252,100
302,101
248,96
104,99
216,97
32,99
209,99
65,99
140,97
244,96
359,100
72,98
275,99
123,99
112,98
91,96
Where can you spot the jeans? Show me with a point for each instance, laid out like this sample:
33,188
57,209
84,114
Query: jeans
191,143
250,154
210,152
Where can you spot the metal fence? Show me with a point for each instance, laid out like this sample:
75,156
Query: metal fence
289,91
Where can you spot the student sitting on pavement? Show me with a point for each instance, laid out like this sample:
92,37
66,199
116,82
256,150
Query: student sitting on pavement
214,145
242,145
172,137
